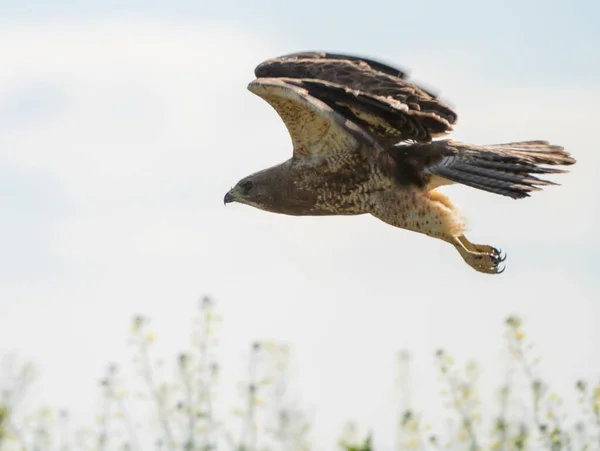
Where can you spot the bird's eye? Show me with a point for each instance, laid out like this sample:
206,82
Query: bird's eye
246,186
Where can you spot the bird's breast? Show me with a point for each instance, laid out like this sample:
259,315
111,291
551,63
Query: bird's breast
345,190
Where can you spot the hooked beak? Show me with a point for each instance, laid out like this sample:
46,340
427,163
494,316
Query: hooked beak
228,198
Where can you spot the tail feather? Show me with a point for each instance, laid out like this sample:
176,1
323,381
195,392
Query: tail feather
519,175
505,169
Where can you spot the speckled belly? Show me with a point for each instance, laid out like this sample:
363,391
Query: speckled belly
347,195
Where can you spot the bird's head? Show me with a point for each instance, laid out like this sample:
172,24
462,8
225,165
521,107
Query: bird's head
254,190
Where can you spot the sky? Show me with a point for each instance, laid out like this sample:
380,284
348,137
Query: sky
123,124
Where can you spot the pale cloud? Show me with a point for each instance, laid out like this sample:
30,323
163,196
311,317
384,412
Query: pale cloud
139,130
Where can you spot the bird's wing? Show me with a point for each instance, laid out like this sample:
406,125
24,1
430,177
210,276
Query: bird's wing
374,95
314,127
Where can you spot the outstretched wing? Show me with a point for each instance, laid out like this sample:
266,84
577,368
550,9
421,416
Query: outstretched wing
314,127
374,95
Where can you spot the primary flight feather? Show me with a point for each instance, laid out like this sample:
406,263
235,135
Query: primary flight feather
363,143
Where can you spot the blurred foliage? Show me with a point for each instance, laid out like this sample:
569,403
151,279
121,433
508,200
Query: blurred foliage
152,411
181,413
530,416
15,379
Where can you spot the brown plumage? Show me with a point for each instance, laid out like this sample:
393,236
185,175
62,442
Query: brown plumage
362,138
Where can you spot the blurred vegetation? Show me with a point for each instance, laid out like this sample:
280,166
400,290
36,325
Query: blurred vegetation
181,412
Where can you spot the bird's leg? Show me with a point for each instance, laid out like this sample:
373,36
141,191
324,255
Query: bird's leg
479,247
481,257
432,214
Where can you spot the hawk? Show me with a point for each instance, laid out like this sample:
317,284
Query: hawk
363,143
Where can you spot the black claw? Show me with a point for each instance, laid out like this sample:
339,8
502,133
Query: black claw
502,258
501,270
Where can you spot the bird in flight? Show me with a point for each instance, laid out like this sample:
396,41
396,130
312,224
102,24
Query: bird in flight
363,143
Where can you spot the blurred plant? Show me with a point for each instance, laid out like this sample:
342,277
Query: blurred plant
15,379
461,394
270,419
411,433
350,441
183,408
588,428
